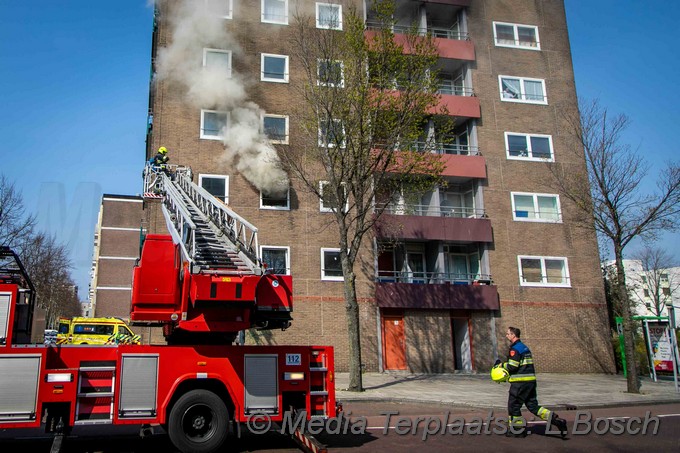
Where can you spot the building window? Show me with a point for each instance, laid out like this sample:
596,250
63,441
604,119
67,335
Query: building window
275,11
543,271
329,200
220,8
529,146
331,134
218,59
534,207
213,124
522,89
216,185
330,73
277,259
666,291
663,278
331,268
329,16
275,127
646,292
279,201
274,68
516,35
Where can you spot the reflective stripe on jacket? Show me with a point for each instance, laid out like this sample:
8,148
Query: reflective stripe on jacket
520,363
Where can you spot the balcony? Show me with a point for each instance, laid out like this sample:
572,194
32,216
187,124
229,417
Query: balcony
434,294
450,42
461,161
441,148
453,224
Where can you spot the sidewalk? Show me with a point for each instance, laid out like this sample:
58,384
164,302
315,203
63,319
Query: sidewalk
577,391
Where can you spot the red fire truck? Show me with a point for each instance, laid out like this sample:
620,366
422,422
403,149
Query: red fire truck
203,284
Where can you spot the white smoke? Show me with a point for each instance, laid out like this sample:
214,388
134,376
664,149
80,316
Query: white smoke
195,26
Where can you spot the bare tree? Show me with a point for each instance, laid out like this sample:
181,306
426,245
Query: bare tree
47,263
656,281
365,96
612,199
49,266
15,223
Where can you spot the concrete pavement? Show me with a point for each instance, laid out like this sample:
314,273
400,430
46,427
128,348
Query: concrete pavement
556,391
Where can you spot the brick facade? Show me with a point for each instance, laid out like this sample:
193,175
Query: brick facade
565,326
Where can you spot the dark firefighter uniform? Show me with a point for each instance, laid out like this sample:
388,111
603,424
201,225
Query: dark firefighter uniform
522,380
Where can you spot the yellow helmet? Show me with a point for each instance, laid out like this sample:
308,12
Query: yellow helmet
162,150
499,374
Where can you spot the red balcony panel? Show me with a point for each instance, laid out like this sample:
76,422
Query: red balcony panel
455,49
460,106
434,228
447,48
464,166
437,296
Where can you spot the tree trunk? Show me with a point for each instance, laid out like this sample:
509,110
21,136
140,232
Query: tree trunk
628,327
353,326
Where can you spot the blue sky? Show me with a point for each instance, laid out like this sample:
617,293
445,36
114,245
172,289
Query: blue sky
74,80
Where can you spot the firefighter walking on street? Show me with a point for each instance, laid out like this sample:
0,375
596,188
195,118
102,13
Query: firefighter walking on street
522,378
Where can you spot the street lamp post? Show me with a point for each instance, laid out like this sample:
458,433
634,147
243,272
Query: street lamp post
674,343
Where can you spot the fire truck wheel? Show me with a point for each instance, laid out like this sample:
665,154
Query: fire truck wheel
198,422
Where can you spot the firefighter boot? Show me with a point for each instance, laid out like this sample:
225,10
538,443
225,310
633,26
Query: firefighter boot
516,427
560,424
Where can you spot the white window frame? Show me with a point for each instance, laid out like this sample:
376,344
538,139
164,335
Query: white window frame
230,6
286,130
522,94
207,50
271,79
276,208
204,136
226,183
284,21
323,271
544,275
278,247
323,140
517,44
328,27
323,208
529,155
536,210
318,71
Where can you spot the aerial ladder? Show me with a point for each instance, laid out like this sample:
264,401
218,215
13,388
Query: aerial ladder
206,278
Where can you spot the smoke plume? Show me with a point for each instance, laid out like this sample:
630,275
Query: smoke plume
196,25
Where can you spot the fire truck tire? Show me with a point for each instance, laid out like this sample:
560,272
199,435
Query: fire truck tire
198,422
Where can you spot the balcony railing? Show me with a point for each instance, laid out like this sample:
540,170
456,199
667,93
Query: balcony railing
445,87
440,148
437,32
433,278
454,86
436,211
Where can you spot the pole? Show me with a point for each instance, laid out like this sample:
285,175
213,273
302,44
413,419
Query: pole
674,343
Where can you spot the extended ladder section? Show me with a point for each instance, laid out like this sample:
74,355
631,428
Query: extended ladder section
211,236
206,279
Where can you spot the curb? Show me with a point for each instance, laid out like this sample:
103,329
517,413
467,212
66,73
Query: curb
564,407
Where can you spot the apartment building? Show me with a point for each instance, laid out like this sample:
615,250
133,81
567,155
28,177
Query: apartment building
492,249
650,290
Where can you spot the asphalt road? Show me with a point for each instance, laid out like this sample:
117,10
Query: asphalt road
394,428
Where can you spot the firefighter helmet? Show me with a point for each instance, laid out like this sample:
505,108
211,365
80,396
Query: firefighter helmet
163,150
499,374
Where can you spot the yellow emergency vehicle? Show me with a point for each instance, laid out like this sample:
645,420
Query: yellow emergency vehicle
95,331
